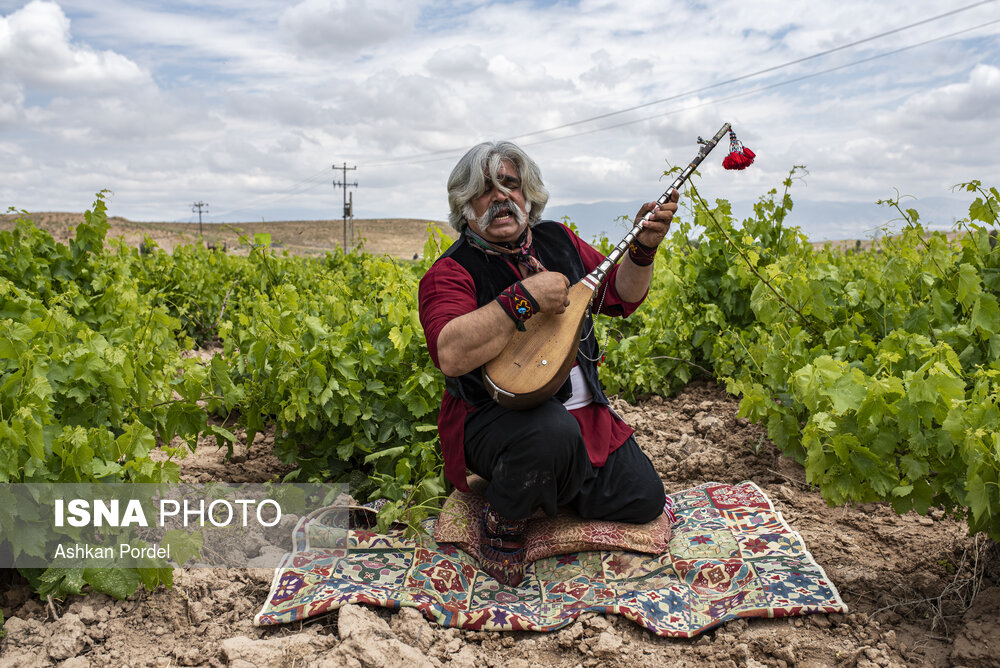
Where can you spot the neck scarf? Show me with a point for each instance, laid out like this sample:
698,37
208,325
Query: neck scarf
522,251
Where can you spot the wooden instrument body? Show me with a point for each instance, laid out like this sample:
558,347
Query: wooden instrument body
537,361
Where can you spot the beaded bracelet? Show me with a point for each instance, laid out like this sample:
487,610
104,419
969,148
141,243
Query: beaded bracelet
518,303
641,254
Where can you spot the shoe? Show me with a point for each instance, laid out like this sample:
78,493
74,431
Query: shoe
501,547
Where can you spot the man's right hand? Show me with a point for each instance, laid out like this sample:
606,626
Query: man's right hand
550,289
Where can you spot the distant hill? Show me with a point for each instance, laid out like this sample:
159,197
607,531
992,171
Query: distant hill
402,238
396,237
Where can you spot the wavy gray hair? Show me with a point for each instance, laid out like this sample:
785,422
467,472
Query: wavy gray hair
468,180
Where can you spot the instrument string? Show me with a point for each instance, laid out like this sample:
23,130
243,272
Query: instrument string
607,335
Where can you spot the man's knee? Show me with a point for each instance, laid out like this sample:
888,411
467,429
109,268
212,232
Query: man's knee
648,496
649,505
630,491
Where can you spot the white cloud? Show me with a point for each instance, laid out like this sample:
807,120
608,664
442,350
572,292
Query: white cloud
459,62
11,104
977,99
609,72
36,51
527,76
340,25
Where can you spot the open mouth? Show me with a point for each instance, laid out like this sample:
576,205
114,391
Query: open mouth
502,213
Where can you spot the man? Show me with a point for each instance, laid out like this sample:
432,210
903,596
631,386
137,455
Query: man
506,266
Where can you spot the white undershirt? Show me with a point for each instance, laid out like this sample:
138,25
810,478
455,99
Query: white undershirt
581,393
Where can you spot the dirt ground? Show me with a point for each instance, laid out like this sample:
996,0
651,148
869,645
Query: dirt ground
921,592
398,238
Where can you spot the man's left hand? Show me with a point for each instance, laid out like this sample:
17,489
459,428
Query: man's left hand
657,226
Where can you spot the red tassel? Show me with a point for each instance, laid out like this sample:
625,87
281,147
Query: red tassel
737,161
740,157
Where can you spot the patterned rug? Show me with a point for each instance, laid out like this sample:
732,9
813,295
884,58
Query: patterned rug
731,555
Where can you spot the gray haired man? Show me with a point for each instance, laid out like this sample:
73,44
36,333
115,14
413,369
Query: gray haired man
507,265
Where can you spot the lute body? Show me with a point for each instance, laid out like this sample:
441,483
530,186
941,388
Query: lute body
536,362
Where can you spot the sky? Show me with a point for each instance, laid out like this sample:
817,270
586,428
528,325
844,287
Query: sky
247,106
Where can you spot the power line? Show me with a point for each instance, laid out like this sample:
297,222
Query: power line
763,88
447,154
766,70
420,157
317,179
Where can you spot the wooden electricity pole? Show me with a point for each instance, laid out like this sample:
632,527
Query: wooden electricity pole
197,206
348,210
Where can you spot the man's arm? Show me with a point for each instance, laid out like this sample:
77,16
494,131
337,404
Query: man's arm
632,280
474,338
471,340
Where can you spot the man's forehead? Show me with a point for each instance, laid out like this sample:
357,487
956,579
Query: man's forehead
507,168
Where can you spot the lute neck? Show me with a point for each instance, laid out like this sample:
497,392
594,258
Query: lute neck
594,278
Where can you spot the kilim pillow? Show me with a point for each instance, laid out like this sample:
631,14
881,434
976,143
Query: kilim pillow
549,536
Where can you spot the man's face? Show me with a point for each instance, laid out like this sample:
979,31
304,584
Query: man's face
504,222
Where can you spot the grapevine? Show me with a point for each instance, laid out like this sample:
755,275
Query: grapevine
879,371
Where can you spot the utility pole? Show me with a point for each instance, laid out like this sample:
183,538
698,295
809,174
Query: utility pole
197,206
348,210
350,214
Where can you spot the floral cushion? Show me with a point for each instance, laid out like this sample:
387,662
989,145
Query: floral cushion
548,536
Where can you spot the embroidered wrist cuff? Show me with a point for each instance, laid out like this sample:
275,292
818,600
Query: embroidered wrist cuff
518,303
641,254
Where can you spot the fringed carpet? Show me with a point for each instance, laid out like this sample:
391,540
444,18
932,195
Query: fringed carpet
731,554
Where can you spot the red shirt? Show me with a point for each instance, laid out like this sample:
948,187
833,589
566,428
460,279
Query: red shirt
448,291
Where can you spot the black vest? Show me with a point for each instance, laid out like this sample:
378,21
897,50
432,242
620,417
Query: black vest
492,274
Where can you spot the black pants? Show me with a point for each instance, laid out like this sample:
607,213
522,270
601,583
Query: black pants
537,459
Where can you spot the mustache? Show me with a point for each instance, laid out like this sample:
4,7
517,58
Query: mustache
498,209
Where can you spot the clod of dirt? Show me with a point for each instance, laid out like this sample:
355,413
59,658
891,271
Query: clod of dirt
607,645
368,641
244,652
69,637
978,642
412,628
705,424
